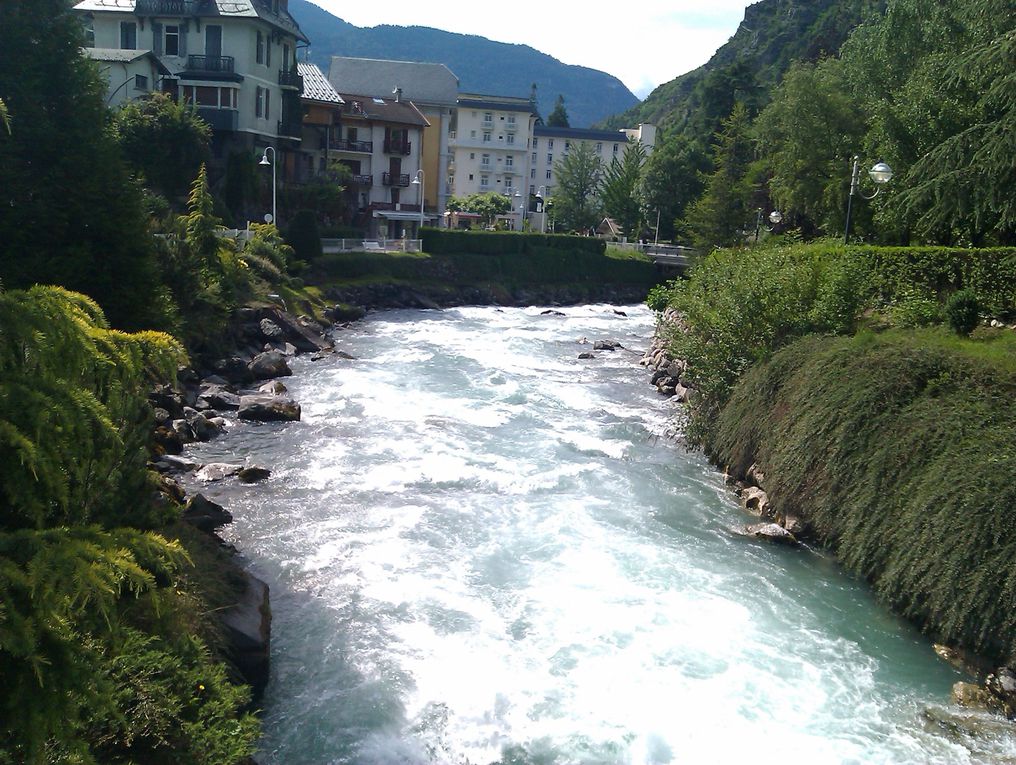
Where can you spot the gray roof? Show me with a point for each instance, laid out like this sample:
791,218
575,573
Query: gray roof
118,56
212,8
502,103
316,86
384,110
580,133
422,83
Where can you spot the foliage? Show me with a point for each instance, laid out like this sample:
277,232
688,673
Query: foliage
559,116
620,189
69,213
671,179
488,205
576,204
303,235
240,187
914,308
267,254
446,241
961,311
898,450
5,117
324,194
718,218
165,142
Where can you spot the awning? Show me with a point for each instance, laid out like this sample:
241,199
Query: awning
400,215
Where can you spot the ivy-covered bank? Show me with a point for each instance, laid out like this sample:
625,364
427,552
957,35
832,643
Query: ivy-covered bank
870,389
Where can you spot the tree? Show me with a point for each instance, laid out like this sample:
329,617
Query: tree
672,178
806,137
576,204
165,142
559,116
620,190
488,205
69,212
5,117
719,216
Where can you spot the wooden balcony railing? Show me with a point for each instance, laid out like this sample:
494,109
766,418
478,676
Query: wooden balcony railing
395,179
344,144
210,64
398,147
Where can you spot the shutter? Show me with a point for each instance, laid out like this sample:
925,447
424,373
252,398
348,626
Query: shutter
184,34
157,38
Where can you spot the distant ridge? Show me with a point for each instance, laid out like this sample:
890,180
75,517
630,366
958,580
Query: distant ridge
482,65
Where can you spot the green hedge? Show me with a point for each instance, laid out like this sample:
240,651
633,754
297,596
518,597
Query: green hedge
447,241
899,449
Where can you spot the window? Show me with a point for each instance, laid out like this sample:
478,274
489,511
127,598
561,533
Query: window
548,175
140,82
615,148
486,136
509,161
268,102
567,145
532,173
536,143
484,181
485,160
599,148
171,44
510,139
534,157
488,116
470,176
128,35
259,102
268,50
550,159
89,25
550,144
472,155
532,188
260,50
511,119
472,134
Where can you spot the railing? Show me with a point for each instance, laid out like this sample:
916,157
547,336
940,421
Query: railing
162,8
291,129
214,64
395,179
511,127
344,144
397,147
220,119
363,180
290,78
371,245
487,124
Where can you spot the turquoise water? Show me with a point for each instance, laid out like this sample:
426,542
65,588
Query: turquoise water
482,549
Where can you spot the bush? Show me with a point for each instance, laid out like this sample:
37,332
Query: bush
961,310
303,235
915,309
445,241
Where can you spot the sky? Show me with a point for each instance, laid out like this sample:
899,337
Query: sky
643,45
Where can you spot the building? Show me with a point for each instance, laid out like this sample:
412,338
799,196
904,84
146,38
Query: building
432,88
322,117
380,140
129,74
552,144
490,140
234,59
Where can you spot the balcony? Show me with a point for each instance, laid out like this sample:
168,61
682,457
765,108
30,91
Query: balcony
395,179
363,180
511,127
163,7
398,147
290,129
220,120
211,67
344,144
290,78
487,124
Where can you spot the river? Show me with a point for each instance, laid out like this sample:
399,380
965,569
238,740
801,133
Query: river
483,549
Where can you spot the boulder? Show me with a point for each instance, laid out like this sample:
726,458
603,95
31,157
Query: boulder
169,400
217,471
233,369
183,429
171,463
1002,685
204,429
218,398
771,532
963,660
204,514
167,441
253,474
214,380
681,393
756,476
247,629
273,388
973,696
171,488
265,408
346,356
551,312
793,524
270,330
969,723
676,369
620,313
344,312
587,355
606,345
756,502
269,364
162,417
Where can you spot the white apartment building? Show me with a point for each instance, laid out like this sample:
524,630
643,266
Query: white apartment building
491,141
552,144
235,59
381,141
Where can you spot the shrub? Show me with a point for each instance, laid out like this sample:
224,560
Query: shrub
914,309
961,310
303,235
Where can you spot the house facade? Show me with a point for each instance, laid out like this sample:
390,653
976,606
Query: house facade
491,142
380,141
432,88
322,119
129,74
234,59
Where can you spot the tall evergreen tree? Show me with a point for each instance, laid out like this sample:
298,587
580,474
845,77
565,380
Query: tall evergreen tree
620,190
576,204
559,116
672,179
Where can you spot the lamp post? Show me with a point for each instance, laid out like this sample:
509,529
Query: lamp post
543,210
775,217
656,237
266,161
418,181
522,210
880,174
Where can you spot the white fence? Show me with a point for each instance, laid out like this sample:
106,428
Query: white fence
371,245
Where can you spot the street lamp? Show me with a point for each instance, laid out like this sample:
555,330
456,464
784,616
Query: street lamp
418,181
543,210
775,217
265,161
880,174
522,210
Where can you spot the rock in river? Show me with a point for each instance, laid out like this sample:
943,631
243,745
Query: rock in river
267,408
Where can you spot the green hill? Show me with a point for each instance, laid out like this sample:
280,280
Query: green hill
482,65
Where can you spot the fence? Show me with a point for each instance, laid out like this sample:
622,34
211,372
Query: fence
371,245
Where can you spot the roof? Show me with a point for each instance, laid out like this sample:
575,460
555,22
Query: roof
206,8
420,82
118,56
384,110
580,133
502,103
316,86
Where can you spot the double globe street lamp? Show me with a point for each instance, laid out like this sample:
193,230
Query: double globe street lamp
775,217
881,174
266,162
540,207
418,181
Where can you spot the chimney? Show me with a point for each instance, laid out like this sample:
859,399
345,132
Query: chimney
398,95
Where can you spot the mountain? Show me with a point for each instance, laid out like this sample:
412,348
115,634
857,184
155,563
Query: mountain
774,33
482,65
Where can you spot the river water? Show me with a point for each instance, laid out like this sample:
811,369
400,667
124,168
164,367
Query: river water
482,549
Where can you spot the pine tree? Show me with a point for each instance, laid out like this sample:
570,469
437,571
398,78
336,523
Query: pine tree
576,204
620,190
558,117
